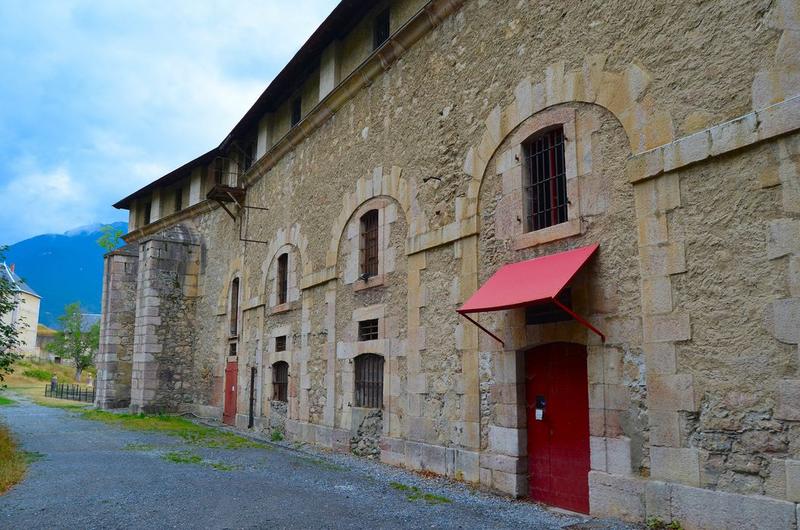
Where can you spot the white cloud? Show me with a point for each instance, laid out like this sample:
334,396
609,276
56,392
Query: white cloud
108,96
43,201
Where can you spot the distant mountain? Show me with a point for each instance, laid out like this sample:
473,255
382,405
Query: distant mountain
63,268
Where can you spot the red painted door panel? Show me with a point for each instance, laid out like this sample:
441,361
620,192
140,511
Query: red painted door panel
558,443
229,410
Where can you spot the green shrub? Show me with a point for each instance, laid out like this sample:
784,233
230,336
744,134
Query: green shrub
37,373
276,436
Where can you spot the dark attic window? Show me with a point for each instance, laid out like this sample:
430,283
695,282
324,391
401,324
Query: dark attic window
380,29
548,313
280,343
297,111
368,329
179,199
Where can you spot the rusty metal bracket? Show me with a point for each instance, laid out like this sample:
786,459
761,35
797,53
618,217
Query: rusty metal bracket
242,224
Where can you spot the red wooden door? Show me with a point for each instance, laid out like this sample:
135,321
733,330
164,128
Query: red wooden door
229,410
558,441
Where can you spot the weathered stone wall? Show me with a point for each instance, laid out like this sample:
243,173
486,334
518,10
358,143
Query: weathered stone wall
115,354
727,430
165,321
693,395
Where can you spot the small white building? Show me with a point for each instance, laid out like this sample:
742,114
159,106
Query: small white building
27,311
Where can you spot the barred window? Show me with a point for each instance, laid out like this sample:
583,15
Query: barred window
368,329
369,244
283,278
545,180
235,307
369,381
280,381
280,343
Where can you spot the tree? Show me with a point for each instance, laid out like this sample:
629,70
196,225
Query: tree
9,331
74,341
111,238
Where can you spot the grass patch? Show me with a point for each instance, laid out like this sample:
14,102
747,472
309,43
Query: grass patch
4,401
12,461
188,457
138,447
322,464
191,433
182,457
220,466
413,493
32,387
38,374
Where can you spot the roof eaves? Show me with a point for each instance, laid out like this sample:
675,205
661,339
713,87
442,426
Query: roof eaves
169,178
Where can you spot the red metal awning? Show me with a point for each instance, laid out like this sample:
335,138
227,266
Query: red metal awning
530,282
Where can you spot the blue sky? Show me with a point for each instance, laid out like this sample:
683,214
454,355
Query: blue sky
97,98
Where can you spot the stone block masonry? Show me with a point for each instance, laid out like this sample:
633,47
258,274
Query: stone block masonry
686,172
165,320
115,355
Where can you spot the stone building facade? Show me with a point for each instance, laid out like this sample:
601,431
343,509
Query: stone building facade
246,291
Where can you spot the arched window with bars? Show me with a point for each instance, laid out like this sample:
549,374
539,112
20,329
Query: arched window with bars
369,381
369,244
280,381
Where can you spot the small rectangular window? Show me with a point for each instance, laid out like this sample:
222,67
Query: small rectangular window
380,29
547,313
368,329
280,343
147,211
297,111
369,244
369,381
545,181
280,381
179,199
283,278
232,349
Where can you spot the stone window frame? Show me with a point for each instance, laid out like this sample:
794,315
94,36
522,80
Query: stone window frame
292,281
272,356
387,215
510,166
350,347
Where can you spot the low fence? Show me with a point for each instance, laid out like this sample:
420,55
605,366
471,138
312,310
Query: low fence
73,392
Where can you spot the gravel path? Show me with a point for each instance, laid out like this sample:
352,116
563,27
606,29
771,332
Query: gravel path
92,475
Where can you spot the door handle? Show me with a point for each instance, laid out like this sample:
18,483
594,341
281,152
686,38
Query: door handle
541,404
